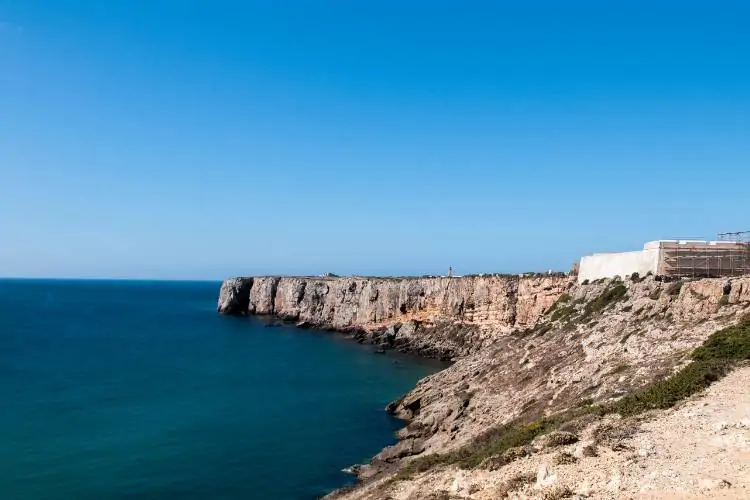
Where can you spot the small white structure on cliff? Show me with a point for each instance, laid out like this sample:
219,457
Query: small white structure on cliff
671,258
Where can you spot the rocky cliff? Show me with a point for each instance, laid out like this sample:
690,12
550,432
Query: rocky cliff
525,348
597,343
440,317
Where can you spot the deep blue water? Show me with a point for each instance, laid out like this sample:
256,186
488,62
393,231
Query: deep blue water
114,390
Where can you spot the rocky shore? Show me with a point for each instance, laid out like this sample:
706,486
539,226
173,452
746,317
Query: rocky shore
525,349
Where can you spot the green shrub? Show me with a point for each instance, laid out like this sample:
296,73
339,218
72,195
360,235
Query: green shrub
498,440
557,492
585,282
635,277
423,464
563,312
711,361
607,298
731,344
439,495
664,394
539,329
562,299
493,442
514,483
585,402
724,300
542,329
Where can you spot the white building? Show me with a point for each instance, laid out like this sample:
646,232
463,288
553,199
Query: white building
670,258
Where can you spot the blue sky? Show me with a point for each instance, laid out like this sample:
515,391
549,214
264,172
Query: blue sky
197,139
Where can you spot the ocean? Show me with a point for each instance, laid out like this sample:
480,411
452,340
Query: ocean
140,390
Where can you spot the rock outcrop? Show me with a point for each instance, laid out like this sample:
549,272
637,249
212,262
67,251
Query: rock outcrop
234,296
438,317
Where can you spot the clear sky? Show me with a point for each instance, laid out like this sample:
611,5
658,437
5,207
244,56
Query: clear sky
201,139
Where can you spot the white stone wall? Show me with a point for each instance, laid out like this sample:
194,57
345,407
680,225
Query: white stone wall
608,265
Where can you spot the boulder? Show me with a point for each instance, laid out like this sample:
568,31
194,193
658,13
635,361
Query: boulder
545,476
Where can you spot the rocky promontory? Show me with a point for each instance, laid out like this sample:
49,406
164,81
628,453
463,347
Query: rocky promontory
557,389
439,317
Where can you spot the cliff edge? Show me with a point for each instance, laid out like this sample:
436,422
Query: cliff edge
437,316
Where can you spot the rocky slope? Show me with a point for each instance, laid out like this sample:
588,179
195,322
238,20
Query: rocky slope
598,342
437,317
700,449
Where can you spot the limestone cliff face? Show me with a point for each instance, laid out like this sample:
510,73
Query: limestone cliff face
442,317
587,347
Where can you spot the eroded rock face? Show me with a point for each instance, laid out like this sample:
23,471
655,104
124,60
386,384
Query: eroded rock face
440,317
234,296
629,342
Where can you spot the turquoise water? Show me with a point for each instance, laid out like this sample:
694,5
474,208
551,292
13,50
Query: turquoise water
114,390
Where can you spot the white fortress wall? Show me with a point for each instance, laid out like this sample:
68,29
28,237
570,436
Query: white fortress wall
608,265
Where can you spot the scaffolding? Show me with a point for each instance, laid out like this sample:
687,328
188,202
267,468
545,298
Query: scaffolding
728,256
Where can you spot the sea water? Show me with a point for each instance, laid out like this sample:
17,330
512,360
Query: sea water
125,389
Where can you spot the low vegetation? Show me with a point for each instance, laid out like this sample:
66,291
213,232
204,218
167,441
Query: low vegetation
711,361
607,298
563,312
514,483
620,368
564,309
494,442
557,492
565,297
562,299
440,495
536,330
